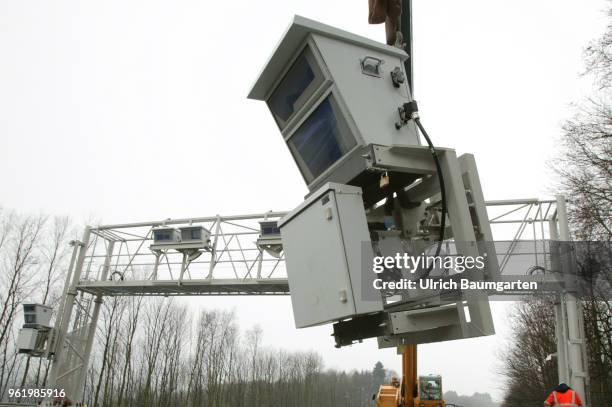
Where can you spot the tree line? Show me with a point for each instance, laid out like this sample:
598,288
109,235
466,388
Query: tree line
155,353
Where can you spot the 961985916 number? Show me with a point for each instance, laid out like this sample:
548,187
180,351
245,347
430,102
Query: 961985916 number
36,393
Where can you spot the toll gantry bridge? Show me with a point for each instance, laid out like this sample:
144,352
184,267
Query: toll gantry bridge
228,255
243,254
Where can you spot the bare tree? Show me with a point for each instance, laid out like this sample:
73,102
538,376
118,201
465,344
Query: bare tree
584,164
20,240
585,170
530,377
112,313
130,330
598,56
53,251
156,317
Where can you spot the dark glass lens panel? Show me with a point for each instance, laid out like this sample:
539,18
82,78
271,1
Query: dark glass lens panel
296,87
321,140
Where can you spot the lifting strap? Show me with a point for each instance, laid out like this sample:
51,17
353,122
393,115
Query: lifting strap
388,12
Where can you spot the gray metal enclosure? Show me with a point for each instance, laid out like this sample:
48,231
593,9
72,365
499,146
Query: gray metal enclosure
330,93
325,252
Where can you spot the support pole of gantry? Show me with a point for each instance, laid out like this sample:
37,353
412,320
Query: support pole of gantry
560,328
76,245
61,348
573,335
93,324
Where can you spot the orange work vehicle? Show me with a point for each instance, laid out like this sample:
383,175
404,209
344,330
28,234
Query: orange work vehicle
412,391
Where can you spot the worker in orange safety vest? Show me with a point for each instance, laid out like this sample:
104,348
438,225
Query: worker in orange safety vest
563,396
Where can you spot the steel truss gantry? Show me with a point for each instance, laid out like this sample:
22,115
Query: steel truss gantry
116,260
235,265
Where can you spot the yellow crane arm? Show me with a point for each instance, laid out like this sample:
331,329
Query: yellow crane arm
401,394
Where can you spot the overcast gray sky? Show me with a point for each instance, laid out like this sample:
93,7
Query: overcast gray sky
122,111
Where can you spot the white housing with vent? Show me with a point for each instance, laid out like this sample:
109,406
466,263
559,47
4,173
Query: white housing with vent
331,93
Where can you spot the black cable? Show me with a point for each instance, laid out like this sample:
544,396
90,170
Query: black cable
434,154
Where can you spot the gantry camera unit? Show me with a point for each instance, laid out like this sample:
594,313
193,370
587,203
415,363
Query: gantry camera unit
342,105
181,239
34,334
